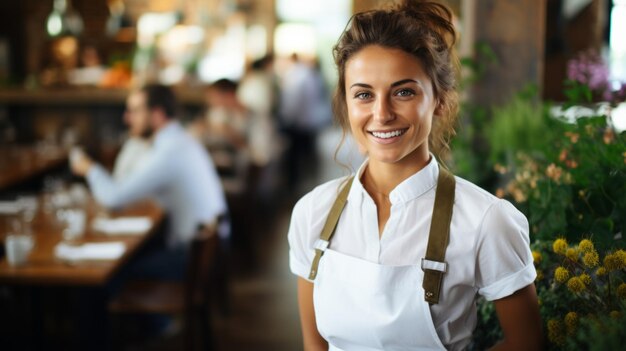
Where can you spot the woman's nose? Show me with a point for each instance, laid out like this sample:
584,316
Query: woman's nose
383,111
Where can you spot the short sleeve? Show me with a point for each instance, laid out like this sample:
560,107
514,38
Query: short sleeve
299,236
504,260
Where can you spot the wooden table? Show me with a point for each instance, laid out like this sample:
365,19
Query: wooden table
21,163
43,268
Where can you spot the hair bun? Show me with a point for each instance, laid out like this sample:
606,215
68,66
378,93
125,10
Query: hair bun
436,15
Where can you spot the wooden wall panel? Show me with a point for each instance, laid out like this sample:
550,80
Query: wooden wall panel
515,30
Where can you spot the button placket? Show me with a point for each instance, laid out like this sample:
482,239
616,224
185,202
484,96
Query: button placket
370,229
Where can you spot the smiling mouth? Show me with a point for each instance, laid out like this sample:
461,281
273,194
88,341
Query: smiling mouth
390,134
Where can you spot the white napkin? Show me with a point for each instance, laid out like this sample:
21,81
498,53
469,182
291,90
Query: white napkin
10,207
122,225
90,251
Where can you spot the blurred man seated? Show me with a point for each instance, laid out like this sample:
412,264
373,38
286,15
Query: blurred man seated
177,172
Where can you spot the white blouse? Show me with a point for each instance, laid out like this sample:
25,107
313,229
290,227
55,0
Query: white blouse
488,252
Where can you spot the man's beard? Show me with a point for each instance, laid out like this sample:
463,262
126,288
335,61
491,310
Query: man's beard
147,132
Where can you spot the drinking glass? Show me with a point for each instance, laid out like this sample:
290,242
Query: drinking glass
18,247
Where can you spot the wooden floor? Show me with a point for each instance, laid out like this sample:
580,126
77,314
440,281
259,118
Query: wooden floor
265,314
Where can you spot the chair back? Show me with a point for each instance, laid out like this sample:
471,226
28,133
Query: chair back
202,255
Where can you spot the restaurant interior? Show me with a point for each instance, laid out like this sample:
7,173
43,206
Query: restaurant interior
68,70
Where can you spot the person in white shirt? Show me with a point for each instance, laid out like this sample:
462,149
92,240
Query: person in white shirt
136,147
178,172
304,110
395,258
257,92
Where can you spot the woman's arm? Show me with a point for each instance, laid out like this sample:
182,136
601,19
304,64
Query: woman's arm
520,321
313,341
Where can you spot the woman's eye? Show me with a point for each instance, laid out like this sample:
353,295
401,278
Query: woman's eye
362,96
405,93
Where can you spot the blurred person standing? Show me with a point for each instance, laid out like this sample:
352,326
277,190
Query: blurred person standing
136,147
227,117
304,112
258,91
178,173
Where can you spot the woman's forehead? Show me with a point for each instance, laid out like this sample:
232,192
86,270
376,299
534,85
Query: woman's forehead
377,64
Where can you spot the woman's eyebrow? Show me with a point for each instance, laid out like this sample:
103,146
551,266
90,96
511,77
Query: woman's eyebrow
362,85
403,81
394,84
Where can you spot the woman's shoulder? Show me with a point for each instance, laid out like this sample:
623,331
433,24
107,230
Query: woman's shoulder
307,221
479,201
320,198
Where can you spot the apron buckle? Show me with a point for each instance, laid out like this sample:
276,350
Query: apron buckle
434,265
322,244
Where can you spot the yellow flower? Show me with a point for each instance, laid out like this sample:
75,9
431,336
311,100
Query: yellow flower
561,274
555,331
571,321
591,259
585,278
613,261
585,245
621,291
601,271
559,246
572,254
537,257
615,314
575,285
622,257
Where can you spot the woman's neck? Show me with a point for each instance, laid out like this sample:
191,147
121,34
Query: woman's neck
381,178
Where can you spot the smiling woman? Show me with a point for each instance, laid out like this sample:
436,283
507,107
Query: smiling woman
412,245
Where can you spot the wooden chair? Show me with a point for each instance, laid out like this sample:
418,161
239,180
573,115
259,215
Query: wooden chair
191,298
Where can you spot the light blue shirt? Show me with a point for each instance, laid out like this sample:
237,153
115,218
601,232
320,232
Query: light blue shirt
179,173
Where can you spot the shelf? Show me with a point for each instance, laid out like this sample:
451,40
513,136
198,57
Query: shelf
75,96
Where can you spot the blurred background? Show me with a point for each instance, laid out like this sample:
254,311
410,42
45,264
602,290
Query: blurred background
542,120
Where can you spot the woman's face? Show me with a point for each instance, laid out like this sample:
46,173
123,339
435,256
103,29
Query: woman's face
390,102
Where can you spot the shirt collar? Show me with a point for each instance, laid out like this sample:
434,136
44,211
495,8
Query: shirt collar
170,129
411,188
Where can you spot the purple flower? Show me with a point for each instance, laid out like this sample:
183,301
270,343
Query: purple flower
588,68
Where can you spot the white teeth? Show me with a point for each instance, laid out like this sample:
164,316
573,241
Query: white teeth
387,135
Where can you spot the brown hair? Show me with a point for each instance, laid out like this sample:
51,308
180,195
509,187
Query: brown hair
421,28
161,96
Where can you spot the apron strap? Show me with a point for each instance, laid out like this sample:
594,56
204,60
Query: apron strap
434,265
329,227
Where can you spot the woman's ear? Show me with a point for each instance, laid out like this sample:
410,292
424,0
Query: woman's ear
438,109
